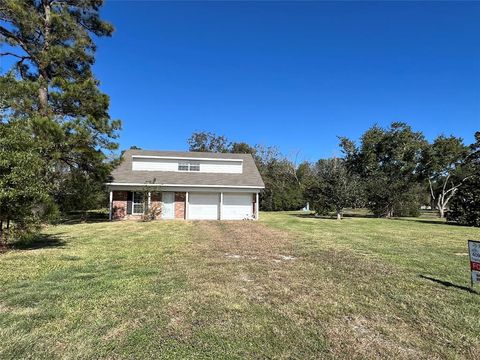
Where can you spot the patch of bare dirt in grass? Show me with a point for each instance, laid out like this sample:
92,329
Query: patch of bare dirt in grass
4,308
362,338
121,329
246,240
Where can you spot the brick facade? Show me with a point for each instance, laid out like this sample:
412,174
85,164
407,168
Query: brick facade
119,205
180,198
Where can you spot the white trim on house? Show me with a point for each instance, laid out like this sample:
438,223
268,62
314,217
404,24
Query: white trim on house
188,185
184,158
220,210
111,205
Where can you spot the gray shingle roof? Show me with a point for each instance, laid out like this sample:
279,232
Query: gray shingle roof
250,176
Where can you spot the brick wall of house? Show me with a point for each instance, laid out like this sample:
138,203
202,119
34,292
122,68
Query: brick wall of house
119,204
156,200
180,198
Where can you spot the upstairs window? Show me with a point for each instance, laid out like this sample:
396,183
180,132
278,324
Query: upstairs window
183,166
194,166
189,166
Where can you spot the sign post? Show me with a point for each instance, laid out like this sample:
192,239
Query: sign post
474,252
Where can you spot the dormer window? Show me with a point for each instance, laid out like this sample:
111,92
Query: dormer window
188,166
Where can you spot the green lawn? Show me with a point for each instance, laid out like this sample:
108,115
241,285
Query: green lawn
289,286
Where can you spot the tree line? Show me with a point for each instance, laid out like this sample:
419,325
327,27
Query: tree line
391,171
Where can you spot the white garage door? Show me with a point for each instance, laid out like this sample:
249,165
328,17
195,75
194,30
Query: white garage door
237,206
203,206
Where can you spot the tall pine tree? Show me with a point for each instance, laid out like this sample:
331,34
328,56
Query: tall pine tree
51,89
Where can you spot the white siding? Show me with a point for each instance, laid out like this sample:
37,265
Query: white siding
228,167
155,165
206,166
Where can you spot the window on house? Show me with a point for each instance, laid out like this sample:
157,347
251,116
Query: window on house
183,166
188,166
194,166
138,203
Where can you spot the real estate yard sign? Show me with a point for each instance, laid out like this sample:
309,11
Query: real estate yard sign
474,251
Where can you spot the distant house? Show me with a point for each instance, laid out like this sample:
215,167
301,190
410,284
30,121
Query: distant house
185,185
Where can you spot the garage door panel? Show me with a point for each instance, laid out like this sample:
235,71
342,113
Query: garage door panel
203,206
237,206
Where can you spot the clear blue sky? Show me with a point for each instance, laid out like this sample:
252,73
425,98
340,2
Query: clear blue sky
290,74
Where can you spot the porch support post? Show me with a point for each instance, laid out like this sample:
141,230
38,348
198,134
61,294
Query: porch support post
257,215
221,206
110,206
186,205
149,199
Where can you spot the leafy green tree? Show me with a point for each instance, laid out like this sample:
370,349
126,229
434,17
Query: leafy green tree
23,191
306,175
81,191
283,189
334,188
242,148
388,161
51,89
443,165
465,204
208,142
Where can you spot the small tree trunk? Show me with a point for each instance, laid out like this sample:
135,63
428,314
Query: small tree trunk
441,212
2,243
339,215
43,74
389,213
7,232
441,206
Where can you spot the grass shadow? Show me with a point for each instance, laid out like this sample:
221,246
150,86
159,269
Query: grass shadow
426,221
75,221
330,217
449,284
364,216
39,241
313,216
84,217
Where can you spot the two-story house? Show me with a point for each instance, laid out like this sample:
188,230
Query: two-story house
185,185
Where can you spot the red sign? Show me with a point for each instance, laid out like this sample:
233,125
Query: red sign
475,266
474,251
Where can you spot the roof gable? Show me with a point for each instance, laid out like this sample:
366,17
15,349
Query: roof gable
250,177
